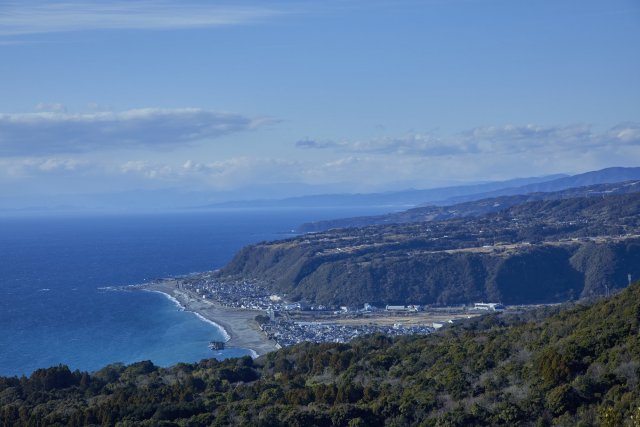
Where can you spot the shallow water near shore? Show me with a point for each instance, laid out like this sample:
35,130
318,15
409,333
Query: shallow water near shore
54,310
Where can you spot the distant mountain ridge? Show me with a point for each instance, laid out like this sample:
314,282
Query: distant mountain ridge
475,205
440,196
401,198
602,176
471,208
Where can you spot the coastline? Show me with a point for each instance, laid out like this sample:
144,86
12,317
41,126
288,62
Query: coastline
238,325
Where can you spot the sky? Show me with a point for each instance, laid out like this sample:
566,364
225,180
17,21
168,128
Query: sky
254,99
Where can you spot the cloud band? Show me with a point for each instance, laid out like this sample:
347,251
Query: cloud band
51,133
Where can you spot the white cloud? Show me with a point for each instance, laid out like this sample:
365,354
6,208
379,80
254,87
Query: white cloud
51,107
415,160
38,16
42,133
223,175
34,166
148,169
626,132
495,140
94,106
50,165
312,143
241,171
219,175
410,144
520,138
415,143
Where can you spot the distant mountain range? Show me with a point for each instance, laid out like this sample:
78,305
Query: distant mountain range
404,198
603,176
472,208
296,195
441,196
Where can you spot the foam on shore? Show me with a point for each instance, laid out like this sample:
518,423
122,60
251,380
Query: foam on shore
177,302
225,334
169,296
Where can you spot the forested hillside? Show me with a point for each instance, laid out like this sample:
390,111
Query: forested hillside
540,251
579,366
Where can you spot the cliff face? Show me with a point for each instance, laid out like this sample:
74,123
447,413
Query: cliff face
536,252
535,274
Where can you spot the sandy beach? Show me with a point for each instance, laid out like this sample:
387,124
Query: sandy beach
239,324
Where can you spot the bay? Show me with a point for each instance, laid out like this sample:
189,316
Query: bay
53,270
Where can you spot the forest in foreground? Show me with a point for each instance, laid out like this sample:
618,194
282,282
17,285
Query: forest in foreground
572,365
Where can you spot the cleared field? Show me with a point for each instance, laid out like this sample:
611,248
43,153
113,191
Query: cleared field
389,319
405,319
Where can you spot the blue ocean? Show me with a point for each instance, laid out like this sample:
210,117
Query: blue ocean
53,271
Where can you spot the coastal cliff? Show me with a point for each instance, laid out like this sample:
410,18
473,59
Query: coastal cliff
535,252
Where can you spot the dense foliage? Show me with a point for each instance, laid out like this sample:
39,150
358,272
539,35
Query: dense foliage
579,366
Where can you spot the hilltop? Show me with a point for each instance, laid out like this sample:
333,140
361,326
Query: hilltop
548,250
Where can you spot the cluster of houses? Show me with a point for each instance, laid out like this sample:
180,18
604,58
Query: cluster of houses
255,296
286,333
250,295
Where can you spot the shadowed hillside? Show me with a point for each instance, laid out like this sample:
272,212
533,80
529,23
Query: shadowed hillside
540,251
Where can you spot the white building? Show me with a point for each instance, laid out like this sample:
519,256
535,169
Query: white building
488,306
411,307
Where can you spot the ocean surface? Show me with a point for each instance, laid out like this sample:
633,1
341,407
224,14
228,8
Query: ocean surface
54,310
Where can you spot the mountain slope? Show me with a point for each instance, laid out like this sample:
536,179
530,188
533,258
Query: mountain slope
471,208
602,176
576,367
542,251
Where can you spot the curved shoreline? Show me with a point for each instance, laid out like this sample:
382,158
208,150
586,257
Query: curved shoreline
239,326
225,335
223,331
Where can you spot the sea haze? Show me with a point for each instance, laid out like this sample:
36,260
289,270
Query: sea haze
52,270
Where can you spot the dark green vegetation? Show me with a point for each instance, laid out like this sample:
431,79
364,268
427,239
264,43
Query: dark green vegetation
579,366
534,252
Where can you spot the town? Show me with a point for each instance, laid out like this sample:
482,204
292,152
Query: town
288,323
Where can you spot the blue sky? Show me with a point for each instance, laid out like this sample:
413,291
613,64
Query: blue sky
274,98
